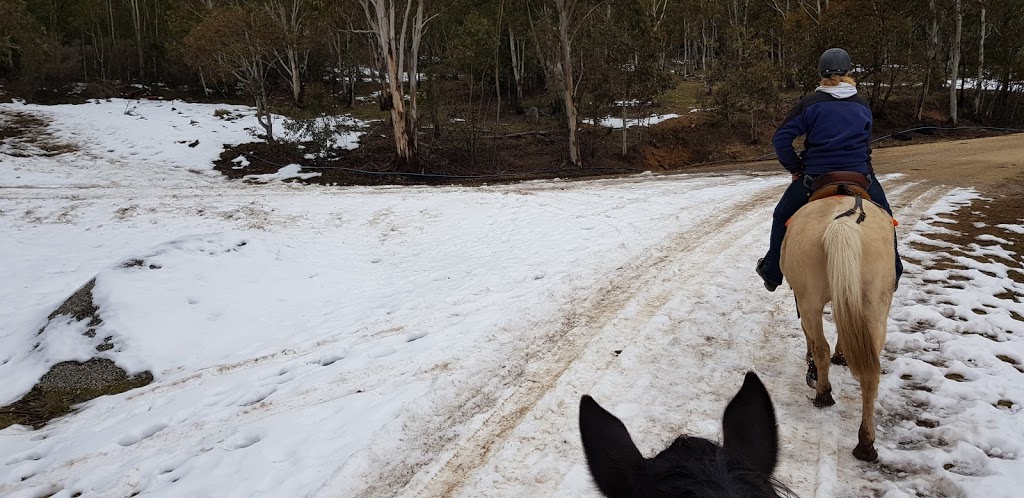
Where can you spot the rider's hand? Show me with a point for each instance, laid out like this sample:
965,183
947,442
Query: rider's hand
796,177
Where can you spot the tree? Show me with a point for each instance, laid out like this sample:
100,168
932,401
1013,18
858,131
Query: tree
400,61
238,43
932,52
566,10
293,53
979,86
627,69
21,39
954,64
337,23
136,14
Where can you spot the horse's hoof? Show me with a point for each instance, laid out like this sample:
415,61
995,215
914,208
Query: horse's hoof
865,452
812,379
824,400
839,359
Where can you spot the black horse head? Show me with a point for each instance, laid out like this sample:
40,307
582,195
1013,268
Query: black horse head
691,466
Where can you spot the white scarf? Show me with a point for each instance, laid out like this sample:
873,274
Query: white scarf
841,91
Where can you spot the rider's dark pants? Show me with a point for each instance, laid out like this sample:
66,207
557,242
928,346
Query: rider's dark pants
795,198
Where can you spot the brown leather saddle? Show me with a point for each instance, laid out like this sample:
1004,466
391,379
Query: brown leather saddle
839,183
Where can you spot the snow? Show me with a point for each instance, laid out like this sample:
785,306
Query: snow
986,84
157,133
613,122
373,341
1012,228
284,173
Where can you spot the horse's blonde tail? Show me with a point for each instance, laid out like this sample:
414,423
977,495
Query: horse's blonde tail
843,248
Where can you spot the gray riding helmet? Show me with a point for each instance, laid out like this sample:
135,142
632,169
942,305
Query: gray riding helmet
834,61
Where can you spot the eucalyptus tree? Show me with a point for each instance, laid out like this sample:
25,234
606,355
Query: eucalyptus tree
397,28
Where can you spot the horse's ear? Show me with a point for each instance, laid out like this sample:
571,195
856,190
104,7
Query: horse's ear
749,426
611,455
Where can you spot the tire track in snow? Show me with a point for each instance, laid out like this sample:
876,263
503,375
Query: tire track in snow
587,318
449,450
812,437
489,412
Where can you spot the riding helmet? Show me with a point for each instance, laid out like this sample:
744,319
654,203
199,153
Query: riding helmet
834,61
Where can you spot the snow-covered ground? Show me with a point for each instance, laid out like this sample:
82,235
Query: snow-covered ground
614,122
312,341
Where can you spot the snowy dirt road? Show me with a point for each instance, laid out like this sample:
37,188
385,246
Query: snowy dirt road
678,327
371,342
682,325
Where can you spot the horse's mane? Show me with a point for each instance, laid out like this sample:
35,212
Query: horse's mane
694,466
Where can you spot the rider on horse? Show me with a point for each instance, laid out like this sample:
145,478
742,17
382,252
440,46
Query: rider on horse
837,126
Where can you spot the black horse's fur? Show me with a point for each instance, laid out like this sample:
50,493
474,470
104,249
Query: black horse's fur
691,466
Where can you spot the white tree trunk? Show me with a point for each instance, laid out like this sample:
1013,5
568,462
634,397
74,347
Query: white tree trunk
954,65
980,85
136,14
932,52
565,8
517,65
290,16
390,41
624,128
497,59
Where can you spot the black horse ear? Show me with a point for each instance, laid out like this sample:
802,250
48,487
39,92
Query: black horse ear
749,426
611,455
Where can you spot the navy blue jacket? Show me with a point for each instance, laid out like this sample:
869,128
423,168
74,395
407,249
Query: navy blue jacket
838,135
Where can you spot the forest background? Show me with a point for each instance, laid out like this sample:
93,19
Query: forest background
489,89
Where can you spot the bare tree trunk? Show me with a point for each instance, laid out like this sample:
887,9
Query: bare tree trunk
518,55
497,59
565,8
419,23
954,65
624,127
390,41
292,57
979,87
932,52
202,81
264,117
136,14
703,47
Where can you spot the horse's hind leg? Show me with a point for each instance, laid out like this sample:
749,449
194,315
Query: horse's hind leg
838,358
818,349
865,449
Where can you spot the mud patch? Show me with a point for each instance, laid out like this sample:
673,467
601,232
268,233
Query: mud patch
68,384
26,135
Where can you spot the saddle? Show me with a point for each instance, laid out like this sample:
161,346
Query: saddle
839,183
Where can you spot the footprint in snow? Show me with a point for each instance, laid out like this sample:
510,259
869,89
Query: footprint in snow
413,336
382,352
330,358
32,456
239,441
257,395
136,436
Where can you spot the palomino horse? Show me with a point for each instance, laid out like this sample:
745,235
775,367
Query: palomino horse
691,466
841,249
